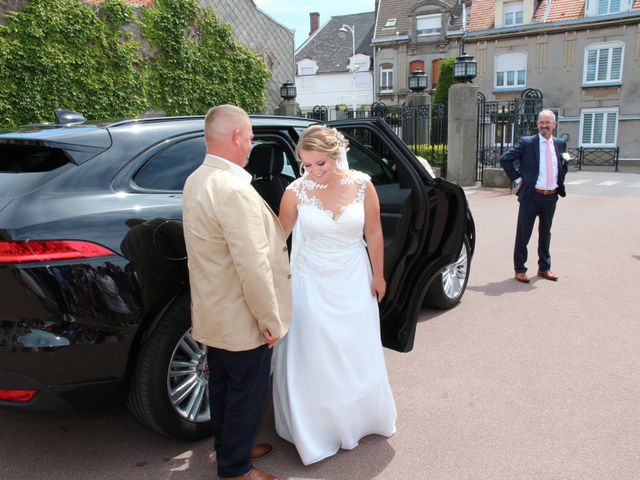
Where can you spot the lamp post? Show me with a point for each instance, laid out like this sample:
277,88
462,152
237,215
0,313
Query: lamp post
342,33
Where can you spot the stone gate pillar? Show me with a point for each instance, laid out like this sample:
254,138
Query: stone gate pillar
462,131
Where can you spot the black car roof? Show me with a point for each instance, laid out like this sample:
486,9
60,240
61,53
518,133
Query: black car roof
97,135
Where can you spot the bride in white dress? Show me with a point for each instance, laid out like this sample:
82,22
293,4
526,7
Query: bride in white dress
330,380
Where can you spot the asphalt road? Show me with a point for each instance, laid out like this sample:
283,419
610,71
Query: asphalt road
537,381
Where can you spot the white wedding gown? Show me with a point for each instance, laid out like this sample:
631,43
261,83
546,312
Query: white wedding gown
330,380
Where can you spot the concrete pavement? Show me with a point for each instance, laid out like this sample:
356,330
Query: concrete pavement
536,381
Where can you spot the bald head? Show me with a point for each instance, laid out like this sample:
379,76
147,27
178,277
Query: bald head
228,133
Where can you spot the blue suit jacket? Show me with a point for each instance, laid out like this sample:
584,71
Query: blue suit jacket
527,151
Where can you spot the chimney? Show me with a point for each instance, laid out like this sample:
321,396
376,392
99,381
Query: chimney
314,22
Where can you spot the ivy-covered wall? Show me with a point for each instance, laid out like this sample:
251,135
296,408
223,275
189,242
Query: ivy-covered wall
66,54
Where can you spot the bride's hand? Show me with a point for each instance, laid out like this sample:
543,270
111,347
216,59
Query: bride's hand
378,287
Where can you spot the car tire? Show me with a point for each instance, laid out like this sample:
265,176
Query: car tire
448,286
169,390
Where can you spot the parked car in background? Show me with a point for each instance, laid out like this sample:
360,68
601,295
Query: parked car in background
93,271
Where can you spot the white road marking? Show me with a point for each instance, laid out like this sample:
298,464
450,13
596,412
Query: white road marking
577,182
608,183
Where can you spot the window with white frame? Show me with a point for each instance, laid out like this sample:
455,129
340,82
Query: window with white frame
598,127
307,77
513,13
391,23
606,7
603,63
427,25
511,70
386,79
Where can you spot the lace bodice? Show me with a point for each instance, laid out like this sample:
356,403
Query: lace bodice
328,232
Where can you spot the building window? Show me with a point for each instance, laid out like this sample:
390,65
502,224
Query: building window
386,78
306,77
599,127
603,63
428,25
606,7
391,23
513,13
511,71
436,68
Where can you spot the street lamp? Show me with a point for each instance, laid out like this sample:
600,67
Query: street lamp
342,33
288,91
465,68
417,81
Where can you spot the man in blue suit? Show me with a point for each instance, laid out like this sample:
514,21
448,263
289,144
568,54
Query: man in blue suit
539,176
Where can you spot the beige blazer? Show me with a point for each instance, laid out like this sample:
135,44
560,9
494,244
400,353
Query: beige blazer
238,261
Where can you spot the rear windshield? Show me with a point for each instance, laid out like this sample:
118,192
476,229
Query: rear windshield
30,158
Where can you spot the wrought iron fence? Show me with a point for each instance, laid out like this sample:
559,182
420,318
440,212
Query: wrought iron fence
599,157
501,124
422,127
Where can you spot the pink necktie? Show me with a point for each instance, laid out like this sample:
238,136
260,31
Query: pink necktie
549,166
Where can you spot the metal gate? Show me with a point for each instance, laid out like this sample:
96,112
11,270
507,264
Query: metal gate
502,123
422,127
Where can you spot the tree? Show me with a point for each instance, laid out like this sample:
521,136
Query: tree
440,102
195,63
66,54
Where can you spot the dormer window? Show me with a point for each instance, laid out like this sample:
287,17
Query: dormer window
428,25
606,7
391,23
513,13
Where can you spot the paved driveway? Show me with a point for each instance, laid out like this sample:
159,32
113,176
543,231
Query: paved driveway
537,381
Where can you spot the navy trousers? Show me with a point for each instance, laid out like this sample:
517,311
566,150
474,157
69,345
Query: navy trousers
535,206
238,390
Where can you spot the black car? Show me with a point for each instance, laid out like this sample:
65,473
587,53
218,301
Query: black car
93,275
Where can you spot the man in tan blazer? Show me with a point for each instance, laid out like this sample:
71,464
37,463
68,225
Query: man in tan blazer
240,288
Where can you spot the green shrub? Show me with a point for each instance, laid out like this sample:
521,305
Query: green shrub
66,54
196,63
436,155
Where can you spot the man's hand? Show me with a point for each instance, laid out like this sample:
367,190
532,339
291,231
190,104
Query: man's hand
517,184
269,340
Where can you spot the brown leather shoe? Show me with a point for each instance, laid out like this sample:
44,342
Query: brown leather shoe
522,277
260,451
548,275
253,474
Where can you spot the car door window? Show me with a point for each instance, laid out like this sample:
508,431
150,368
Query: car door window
369,154
169,169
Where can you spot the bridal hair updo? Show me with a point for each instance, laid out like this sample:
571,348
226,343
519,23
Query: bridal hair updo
322,139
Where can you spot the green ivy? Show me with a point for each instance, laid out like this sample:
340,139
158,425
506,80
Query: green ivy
196,63
66,54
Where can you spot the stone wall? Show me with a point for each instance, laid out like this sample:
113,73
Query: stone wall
10,6
262,34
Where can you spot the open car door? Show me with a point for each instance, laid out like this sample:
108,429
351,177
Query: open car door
423,222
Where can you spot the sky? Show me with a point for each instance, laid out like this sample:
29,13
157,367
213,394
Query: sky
294,14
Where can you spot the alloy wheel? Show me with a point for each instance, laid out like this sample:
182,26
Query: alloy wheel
188,380
454,274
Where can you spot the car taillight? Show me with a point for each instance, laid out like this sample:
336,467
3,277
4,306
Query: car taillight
17,395
49,250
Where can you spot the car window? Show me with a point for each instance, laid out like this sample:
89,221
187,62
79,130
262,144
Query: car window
281,154
30,158
369,154
169,169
